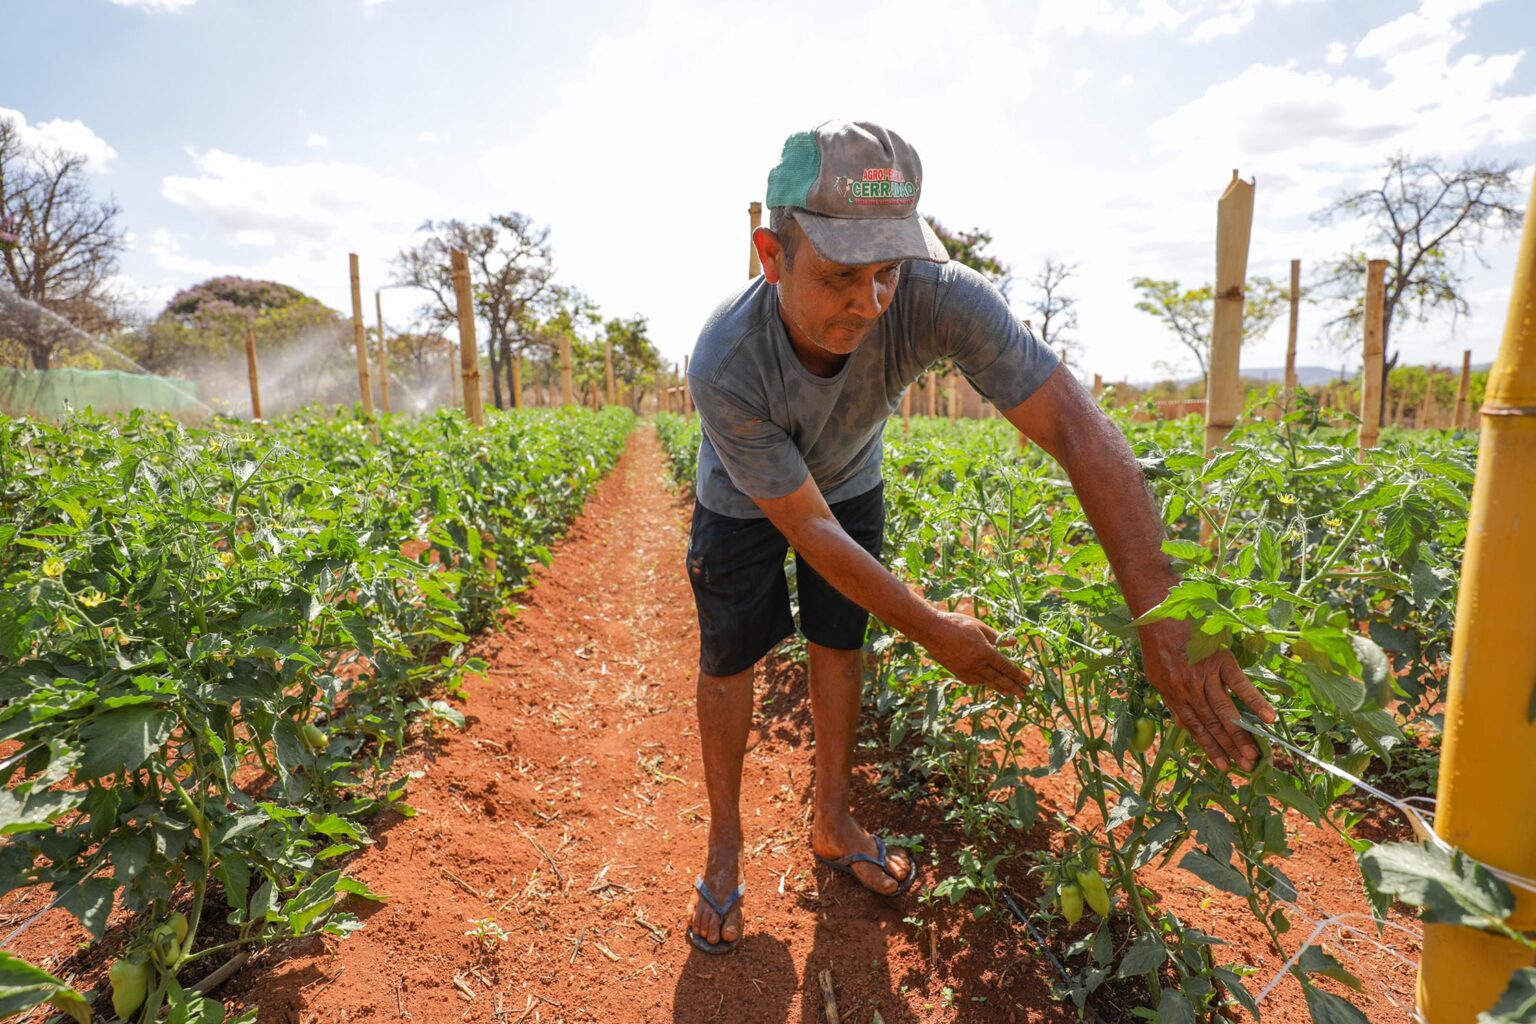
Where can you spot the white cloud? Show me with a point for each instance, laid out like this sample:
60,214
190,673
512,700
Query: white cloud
1081,77
156,6
1338,53
58,134
317,141
428,138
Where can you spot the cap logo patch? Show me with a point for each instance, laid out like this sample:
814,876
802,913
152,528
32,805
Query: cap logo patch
878,185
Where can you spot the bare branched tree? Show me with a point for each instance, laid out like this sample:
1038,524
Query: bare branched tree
65,249
511,265
1054,312
1425,219
1187,313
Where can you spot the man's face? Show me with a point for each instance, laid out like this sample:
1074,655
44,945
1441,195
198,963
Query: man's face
830,306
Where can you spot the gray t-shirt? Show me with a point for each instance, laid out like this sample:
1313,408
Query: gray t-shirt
768,421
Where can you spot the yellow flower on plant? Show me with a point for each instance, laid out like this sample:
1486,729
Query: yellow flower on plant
53,566
92,598
1287,500
1333,523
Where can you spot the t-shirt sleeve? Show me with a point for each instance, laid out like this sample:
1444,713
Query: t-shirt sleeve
758,455
995,350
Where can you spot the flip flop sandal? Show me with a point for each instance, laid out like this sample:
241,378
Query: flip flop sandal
845,865
698,941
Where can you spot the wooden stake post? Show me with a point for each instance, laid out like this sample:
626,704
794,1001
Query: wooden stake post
1370,387
755,214
687,395
250,366
906,408
360,340
567,395
517,382
1223,393
469,348
933,393
1290,341
1459,418
378,309
612,393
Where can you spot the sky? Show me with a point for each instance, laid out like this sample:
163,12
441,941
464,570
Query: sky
270,139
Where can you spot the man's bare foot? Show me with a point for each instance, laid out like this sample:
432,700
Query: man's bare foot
837,834
722,873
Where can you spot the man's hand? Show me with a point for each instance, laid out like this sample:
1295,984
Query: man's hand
968,647
1197,694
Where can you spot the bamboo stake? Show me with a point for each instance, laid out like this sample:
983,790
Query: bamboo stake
906,408
1223,392
378,309
687,395
1428,404
469,348
755,214
1397,409
1459,417
608,372
677,394
933,393
1370,387
567,396
250,366
659,400
517,381
951,397
358,339
1098,385
1290,340
1488,757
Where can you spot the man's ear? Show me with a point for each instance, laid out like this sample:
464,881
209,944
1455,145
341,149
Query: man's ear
770,252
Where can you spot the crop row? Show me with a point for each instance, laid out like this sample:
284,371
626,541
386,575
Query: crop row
1331,578
212,645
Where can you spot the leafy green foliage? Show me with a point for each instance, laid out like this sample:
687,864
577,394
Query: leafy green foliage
181,606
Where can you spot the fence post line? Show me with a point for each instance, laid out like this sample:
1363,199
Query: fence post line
1371,382
378,309
906,407
1459,418
1488,760
250,366
469,348
952,395
517,381
567,395
755,215
932,394
360,342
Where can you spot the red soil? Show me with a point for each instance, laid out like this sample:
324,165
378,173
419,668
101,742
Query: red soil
571,810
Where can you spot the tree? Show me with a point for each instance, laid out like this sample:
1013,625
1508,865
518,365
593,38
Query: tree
1187,313
65,249
1055,312
635,358
969,247
1425,218
204,325
511,266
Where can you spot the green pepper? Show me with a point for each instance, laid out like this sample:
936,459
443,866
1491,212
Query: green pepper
1071,902
1092,884
178,923
130,984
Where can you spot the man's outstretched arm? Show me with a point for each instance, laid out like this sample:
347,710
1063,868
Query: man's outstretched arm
961,643
1063,419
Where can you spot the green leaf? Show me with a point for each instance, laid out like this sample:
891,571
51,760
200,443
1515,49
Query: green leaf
1173,1008
313,901
1375,670
1518,1003
1236,989
1316,960
91,901
1214,873
1188,550
1330,1009
122,739
23,986
1146,954
1450,889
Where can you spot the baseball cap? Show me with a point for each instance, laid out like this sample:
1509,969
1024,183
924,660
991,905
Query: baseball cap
853,186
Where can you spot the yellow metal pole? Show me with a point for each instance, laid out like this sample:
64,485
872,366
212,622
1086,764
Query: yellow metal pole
1488,765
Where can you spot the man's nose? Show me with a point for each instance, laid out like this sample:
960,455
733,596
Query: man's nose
869,301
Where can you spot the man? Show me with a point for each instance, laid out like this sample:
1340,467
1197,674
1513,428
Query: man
794,378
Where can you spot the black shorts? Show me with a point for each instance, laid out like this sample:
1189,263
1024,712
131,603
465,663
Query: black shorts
736,567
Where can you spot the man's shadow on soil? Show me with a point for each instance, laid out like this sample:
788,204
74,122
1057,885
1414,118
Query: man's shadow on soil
753,985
